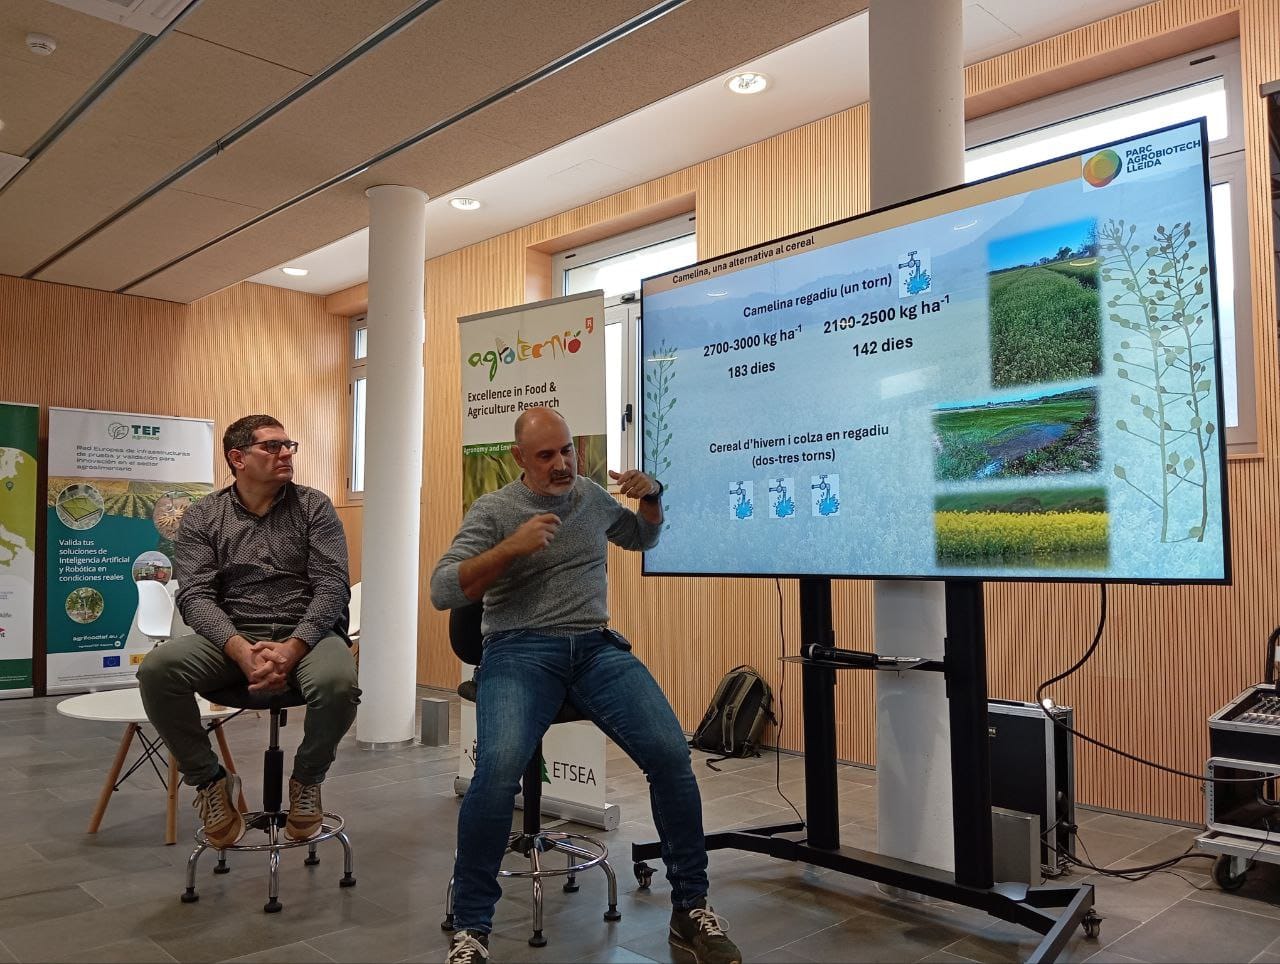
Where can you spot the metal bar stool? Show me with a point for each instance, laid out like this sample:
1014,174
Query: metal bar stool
581,852
271,818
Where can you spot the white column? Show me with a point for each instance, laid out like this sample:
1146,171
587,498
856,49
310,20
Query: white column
393,467
917,147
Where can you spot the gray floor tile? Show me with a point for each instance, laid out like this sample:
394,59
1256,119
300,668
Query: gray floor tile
1194,931
871,937
134,950
43,905
113,896
300,953
1260,893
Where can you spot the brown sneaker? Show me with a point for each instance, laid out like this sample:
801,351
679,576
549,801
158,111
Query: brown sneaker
215,802
701,932
305,813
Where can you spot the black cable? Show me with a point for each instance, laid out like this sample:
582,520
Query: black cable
1088,653
1137,873
782,716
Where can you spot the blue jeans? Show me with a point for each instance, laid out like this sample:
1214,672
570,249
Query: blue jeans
523,679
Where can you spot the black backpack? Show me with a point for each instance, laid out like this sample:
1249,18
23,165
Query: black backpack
732,724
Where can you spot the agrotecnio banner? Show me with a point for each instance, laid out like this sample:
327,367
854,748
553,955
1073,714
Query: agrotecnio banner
546,354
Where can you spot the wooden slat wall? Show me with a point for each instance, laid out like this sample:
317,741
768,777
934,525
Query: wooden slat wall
1171,655
247,349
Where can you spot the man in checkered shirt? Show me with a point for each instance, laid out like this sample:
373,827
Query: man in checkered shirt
262,571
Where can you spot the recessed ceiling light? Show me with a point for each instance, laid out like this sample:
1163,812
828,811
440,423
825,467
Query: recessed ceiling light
294,272
464,203
748,82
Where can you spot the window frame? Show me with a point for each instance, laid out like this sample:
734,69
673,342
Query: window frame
1226,166
356,435
647,236
623,309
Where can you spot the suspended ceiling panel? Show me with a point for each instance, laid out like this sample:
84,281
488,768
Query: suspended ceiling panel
81,179
227,60
435,165
36,90
177,99
182,95
303,35
627,74
411,80
341,210
171,221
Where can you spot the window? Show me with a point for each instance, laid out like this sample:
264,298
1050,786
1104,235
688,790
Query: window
356,390
617,265
1206,83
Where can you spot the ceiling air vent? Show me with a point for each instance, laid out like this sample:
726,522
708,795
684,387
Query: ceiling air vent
148,16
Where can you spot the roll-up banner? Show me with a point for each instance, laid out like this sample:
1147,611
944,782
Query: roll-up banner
118,486
546,354
19,430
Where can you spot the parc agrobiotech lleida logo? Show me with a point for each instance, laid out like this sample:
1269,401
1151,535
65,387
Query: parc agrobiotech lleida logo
1101,169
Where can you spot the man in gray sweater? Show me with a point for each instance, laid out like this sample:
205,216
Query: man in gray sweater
535,552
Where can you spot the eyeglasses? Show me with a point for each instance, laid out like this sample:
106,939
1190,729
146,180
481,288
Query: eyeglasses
274,445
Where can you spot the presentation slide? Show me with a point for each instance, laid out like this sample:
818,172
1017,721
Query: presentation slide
1016,379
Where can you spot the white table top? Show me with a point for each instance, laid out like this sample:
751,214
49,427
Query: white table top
124,706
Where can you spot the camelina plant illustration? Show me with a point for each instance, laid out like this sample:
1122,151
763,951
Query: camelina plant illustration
659,373
1165,305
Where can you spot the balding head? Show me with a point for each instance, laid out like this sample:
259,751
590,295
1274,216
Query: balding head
544,451
535,419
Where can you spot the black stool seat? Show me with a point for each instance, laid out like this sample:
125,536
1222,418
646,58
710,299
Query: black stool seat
271,818
581,852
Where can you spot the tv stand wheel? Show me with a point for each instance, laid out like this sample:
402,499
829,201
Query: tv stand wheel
1230,872
644,875
1092,924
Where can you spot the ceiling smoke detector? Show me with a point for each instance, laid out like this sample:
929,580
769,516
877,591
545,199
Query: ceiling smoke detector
41,44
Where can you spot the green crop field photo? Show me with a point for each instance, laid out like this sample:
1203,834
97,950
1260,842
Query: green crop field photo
1046,435
1044,306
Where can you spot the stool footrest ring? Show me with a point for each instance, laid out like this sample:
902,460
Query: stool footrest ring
589,851
257,820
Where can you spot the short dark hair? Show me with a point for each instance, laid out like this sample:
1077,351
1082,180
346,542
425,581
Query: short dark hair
239,434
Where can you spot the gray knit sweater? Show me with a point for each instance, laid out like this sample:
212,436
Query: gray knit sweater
561,588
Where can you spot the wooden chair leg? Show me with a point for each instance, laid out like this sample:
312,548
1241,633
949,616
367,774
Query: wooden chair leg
109,786
229,764
171,815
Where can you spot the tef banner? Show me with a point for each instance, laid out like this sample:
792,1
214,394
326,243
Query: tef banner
549,353
19,428
118,486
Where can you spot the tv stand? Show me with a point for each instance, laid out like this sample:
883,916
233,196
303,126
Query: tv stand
972,884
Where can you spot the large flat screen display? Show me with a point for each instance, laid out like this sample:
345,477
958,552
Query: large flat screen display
1016,379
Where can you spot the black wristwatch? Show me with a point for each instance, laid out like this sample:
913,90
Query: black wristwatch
654,496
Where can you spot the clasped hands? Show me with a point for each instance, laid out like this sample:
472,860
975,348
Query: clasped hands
267,663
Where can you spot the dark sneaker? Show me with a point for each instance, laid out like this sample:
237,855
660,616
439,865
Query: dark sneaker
468,947
701,932
305,813
215,802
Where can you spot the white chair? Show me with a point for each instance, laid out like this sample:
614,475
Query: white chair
155,611
353,611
